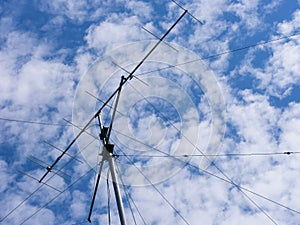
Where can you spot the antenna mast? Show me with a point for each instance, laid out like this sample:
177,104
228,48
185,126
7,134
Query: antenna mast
107,155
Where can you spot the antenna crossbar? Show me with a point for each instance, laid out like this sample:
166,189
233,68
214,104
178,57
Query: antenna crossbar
158,38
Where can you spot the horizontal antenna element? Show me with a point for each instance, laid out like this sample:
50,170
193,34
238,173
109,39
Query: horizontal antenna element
201,22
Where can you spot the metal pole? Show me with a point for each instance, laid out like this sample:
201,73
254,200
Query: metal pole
117,189
95,191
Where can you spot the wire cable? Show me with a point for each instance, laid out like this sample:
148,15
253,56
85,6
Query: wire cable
55,197
156,189
221,53
198,155
136,207
241,187
177,212
42,185
127,196
211,174
167,155
190,155
216,155
199,150
34,122
225,180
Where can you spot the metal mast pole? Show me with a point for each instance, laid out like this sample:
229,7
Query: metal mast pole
116,188
108,155
109,149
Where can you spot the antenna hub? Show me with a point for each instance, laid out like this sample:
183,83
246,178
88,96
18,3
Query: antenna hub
110,148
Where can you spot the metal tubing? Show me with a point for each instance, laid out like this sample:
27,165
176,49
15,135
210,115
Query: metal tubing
117,190
115,109
95,191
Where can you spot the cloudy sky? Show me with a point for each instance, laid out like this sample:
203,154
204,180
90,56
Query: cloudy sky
202,130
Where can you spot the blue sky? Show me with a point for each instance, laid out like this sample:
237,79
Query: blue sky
239,98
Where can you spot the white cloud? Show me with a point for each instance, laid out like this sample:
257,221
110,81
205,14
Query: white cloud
289,125
283,66
78,11
6,26
54,24
34,79
78,204
288,27
29,80
257,124
210,12
5,175
247,12
32,83
281,70
114,32
139,8
255,118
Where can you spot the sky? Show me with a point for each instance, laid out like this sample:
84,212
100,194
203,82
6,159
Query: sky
206,132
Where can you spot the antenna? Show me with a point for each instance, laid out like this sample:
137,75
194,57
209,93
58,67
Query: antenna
105,132
129,77
108,149
136,141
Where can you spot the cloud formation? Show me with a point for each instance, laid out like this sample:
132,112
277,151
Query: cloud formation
46,47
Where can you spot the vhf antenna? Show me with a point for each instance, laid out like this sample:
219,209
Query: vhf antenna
129,77
107,153
108,148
